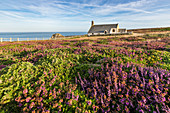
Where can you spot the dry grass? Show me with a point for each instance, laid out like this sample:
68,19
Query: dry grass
119,36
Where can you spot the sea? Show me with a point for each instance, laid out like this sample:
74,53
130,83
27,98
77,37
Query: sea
24,36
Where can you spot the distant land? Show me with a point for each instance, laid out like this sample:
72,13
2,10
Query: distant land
144,30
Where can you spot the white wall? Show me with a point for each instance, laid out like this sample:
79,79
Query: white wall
111,31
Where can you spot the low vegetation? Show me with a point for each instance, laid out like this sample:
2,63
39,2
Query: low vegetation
150,30
104,75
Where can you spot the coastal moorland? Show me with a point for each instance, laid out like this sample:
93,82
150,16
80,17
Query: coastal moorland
87,74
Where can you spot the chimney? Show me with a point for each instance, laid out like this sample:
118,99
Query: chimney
92,23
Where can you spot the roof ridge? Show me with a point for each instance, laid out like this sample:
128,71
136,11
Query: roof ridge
104,24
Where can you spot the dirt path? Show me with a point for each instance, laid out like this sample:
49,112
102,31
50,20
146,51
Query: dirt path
98,37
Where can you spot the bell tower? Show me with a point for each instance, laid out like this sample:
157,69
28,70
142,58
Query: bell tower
92,23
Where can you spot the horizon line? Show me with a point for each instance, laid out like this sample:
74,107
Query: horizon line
78,31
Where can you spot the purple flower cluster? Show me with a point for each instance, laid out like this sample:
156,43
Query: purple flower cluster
2,66
136,89
50,93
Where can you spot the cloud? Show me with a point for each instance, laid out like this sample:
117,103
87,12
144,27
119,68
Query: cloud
11,14
72,15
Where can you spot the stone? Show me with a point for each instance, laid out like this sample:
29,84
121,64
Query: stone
56,36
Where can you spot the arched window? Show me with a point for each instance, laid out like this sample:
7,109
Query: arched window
105,32
113,30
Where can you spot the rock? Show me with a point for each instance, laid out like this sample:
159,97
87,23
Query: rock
56,36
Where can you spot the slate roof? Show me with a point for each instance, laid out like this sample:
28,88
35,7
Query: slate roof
102,28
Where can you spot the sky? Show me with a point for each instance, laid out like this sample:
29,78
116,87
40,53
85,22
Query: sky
76,15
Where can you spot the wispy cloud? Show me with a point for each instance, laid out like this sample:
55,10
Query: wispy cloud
71,15
11,14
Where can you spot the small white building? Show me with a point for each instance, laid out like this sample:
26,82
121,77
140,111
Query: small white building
105,29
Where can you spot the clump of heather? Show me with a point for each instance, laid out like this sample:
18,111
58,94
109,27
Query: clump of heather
52,95
25,88
128,88
2,66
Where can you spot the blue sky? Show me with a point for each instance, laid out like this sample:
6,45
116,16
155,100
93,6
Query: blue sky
76,15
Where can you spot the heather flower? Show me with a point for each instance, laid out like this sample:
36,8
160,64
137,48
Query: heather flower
20,105
68,96
55,76
102,100
55,105
70,102
50,71
28,99
67,82
42,104
61,100
25,91
50,93
141,111
127,103
25,109
140,103
31,105
118,107
95,92
45,73
126,109
89,102
54,95
47,111
163,99
18,99
157,109
41,99
77,97
144,99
